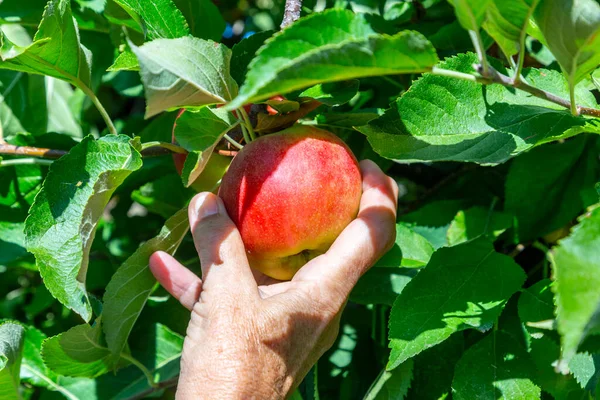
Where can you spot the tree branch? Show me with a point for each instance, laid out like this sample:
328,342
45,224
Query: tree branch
13,150
292,12
493,76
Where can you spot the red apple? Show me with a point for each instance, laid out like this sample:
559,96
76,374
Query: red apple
291,194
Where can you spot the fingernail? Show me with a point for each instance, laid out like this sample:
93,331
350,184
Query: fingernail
206,205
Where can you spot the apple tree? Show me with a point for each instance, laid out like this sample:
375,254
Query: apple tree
114,113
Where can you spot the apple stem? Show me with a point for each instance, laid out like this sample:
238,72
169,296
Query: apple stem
247,122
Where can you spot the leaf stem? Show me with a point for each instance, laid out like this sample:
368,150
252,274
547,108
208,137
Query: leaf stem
245,133
455,74
169,146
520,61
24,161
233,142
478,44
574,108
142,368
247,122
100,107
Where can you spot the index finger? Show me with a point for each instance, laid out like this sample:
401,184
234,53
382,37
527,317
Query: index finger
364,240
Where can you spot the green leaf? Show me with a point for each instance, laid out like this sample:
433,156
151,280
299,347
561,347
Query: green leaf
576,45
243,52
411,250
333,45
536,305
203,17
507,22
199,132
576,264
476,222
381,285
347,120
33,369
584,367
333,93
163,196
125,61
130,286
17,11
62,221
482,124
392,385
496,367
543,194
56,50
459,289
433,220
184,72
470,13
438,361
158,18
544,353
78,352
12,241
12,336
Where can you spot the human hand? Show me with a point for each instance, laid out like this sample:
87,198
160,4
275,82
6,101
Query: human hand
251,336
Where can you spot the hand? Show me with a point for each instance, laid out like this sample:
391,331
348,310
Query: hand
251,336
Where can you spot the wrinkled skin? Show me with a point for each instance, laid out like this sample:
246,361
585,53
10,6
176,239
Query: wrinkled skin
250,336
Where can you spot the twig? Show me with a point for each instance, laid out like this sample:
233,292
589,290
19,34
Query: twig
292,12
233,142
13,150
228,153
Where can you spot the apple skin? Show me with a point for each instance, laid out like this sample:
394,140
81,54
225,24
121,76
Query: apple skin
291,194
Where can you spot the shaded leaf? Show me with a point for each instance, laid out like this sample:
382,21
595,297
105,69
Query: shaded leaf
544,353
62,221
438,361
243,52
203,17
576,264
334,93
507,22
130,286
184,72
576,45
478,221
470,13
381,285
459,289
333,45
504,371
78,352
392,385
12,336
543,194
536,305
482,124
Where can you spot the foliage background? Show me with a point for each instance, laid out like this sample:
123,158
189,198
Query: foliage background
493,288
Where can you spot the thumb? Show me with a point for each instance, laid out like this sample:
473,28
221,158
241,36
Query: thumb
219,245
